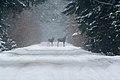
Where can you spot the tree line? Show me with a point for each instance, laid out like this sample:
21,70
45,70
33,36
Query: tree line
9,9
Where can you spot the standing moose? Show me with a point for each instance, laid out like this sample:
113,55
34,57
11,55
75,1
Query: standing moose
63,40
50,41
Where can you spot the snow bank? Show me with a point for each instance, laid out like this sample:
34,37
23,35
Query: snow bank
44,49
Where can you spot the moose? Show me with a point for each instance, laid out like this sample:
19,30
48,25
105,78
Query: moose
63,40
50,41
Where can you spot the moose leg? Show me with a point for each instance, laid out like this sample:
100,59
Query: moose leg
51,43
47,43
58,44
63,44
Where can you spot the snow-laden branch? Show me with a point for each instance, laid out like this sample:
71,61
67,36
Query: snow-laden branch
103,2
76,34
21,3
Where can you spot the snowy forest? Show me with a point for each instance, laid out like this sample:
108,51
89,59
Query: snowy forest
59,39
9,10
97,20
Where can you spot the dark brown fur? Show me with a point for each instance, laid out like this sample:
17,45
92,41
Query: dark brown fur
62,40
50,41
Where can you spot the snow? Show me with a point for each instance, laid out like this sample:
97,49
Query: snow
44,49
77,8
57,63
21,3
76,34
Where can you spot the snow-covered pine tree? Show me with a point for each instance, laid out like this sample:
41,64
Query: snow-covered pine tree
99,20
8,8
5,42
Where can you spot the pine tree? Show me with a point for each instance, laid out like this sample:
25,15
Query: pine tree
99,20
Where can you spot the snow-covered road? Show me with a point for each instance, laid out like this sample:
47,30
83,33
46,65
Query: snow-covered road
40,62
